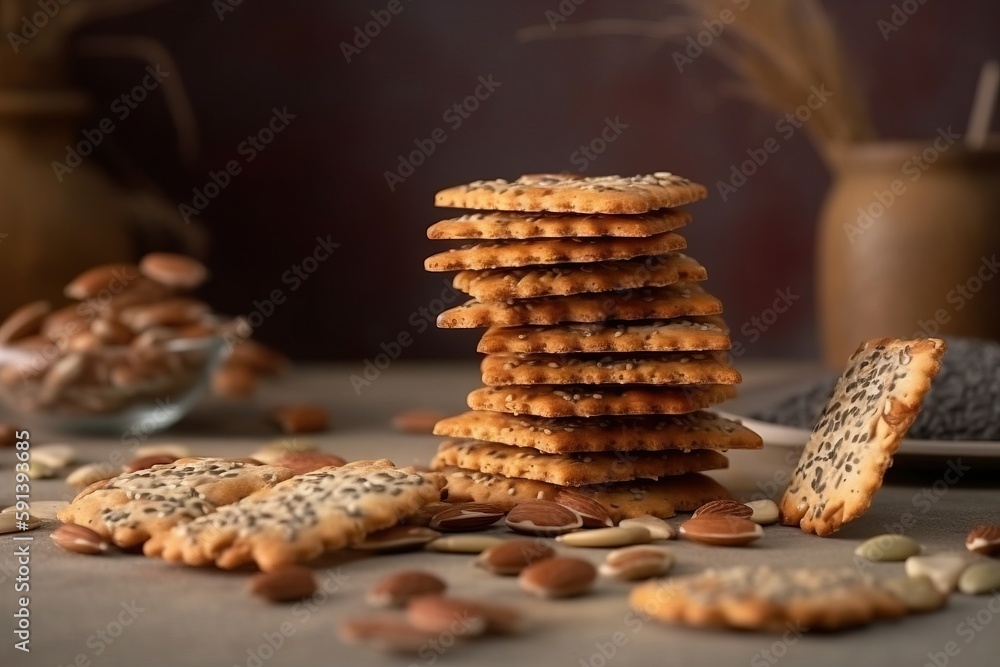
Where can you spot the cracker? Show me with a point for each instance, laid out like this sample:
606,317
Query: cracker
623,500
695,430
620,368
517,225
767,599
302,517
577,469
648,303
690,333
590,401
132,507
562,279
872,406
571,193
498,254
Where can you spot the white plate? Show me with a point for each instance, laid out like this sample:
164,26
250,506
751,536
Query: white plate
786,436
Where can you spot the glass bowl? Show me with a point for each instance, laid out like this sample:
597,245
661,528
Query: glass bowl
138,389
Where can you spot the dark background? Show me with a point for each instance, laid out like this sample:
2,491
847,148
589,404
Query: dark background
324,174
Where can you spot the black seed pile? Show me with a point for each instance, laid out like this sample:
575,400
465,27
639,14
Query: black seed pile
963,403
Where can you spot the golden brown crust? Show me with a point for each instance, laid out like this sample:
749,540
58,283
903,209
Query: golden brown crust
519,225
660,368
589,401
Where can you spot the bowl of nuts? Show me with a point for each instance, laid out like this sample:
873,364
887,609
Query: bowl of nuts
135,349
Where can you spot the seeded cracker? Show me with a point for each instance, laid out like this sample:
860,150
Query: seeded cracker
131,507
589,401
573,469
500,254
571,193
666,368
767,599
872,406
562,279
302,517
517,225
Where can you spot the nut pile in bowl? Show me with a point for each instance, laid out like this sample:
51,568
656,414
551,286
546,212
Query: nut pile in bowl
134,347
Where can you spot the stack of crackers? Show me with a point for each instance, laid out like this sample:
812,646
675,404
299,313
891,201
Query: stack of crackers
602,350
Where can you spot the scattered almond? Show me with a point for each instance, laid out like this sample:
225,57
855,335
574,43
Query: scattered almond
512,556
725,508
658,528
233,380
466,517
461,617
542,517
463,543
721,530
79,539
172,449
423,516
606,537
395,590
87,474
285,584
765,512
558,577
303,462
385,633
637,562
593,513
984,540
397,538
301,418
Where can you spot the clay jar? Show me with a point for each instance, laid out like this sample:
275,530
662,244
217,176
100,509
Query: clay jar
908,243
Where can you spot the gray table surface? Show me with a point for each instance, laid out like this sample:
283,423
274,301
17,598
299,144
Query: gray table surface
128,610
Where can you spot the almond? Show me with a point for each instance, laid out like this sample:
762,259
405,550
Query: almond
463,544
285,584
461,617
984,540
8,435
542,517
100,278
726,508
606,537
466,517
259,358
176,311
658,528
173,270
24,321
234,380
397,538
385,633
558,577
513,556
79,539
111,332
303,462
145,462
397,589
301,418
417,421
423,516
593,513
638,562
721,530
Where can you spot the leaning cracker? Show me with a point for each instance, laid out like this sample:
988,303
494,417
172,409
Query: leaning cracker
576,469
302,517
695,430
518,225
500,254
648,303
674,368
561,279
571,193
872,407
676,335
767,599
589,401
132,507
623,500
